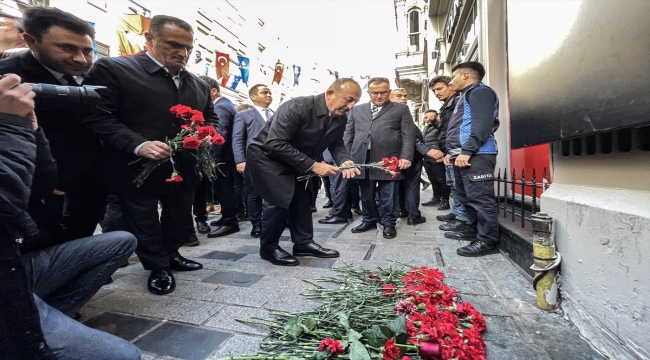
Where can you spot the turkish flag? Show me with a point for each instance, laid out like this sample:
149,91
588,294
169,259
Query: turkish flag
223,66
277,75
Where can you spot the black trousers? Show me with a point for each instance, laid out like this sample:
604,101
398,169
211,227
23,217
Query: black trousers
297,217
202,195
411,184
328,187
253,200
475,190
240,192
84,204
159,236
315,184
223,188
436,173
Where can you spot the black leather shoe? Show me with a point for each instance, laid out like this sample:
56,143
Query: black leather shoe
425,185
109,281
202,227
241,216
333,220
315,250
256,232
444,205
389,232
403,213
477,248
417,220
313,209
328,204
452,225
364,227
215,222
447,217
279,257
464,233
431,202
161,282
357,210
224,230
192,241
180,263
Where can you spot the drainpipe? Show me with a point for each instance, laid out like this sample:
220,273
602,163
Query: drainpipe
545,262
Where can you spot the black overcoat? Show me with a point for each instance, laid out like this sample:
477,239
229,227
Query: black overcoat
288,145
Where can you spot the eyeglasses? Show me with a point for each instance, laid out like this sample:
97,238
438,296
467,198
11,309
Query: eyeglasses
382,93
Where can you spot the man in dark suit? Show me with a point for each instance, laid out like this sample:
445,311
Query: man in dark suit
247,125
380,129
134,120
61,47
284,149
223,187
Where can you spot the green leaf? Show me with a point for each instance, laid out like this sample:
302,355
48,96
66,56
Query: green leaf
294,330
401,338
344,320
311,324
353,335
358,351
398,325
383,332
321,355
294,320
371,337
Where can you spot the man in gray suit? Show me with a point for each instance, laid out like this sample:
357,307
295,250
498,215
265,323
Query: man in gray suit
247,124
375,130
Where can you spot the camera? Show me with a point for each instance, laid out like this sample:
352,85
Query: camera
77,99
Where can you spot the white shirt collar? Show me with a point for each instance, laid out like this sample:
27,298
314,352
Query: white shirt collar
261,111
59,75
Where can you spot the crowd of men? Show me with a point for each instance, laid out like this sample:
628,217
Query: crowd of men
69,171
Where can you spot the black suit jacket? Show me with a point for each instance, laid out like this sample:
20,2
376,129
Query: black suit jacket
73,147
135,108
226,112
289,142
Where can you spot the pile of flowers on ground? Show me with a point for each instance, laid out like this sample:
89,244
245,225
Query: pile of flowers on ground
399,313
388,165
193,136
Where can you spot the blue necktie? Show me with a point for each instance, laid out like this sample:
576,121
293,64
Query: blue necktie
267,114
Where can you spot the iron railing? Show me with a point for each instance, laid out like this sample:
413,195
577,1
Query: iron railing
514,200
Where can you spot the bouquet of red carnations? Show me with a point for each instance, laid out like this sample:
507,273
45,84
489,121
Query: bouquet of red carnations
193,136
388,165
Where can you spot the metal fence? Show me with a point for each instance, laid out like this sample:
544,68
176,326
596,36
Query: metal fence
518,197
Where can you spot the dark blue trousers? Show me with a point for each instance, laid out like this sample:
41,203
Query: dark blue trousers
223,188
297,217
387,211
475,190
412,188
253,200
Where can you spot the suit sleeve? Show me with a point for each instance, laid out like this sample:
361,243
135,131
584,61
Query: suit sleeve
348,136
420,146
223,126
239,138
286,122
210,116
408,135
338,151
103,121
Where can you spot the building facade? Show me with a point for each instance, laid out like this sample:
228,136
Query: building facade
573,100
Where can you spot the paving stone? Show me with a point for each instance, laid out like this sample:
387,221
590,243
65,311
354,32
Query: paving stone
316,262
238,345
124,326
246,296
182,341
226,319
517,351
470,287
101,293
488,305
233,278
275,283
158,307
501,330
290,302
197,275
196,290
249,249
223,255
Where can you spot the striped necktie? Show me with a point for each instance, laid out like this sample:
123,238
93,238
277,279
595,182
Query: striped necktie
267,114
375,110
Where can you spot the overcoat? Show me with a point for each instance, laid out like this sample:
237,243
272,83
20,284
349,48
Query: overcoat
288,144
390,133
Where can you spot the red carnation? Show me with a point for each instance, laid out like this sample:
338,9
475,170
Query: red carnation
218,139
389,290
197,117
406,358
175,178
373,277
181,110
391,352
191,143
206,131
395,174
333,346
429,350
405,308
386,161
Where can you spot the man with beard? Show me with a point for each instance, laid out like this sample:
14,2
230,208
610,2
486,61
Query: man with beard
285,148
134,120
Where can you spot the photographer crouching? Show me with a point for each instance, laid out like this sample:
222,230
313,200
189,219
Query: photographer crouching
39,291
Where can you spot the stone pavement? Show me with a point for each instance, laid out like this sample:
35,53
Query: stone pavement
197,321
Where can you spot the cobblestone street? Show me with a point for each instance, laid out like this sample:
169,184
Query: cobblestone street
197,321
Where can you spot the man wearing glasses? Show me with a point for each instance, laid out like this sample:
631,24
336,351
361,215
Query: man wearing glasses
376,130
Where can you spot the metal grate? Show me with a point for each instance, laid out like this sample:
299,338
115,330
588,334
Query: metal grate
512,194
